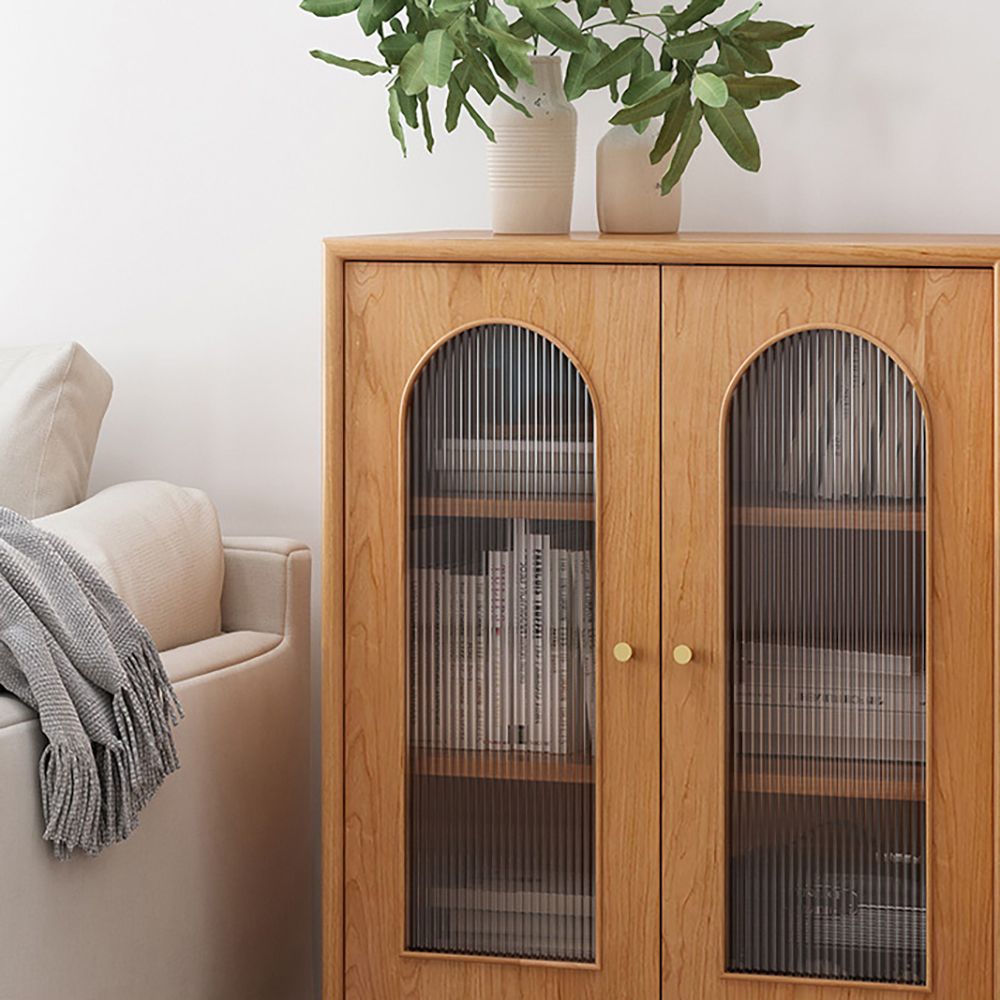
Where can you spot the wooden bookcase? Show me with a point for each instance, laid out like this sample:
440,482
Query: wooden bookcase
660,638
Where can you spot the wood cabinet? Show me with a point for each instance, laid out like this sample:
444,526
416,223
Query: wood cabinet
659,634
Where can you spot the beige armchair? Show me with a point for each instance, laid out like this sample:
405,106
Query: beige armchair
210,898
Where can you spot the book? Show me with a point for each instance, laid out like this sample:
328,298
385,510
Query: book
772,655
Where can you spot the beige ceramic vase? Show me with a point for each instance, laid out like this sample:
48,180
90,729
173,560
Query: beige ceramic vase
628,185
533,161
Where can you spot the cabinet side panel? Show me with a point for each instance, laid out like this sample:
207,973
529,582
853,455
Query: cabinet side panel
332,690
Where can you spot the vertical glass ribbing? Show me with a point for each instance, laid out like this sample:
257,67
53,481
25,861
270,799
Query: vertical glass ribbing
827,667
500,810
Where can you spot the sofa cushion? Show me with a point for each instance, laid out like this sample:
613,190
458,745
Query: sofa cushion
52,402
160,548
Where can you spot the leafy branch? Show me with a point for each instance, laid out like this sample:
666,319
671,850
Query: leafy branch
680,72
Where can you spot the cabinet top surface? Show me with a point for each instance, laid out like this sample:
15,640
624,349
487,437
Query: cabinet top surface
682,248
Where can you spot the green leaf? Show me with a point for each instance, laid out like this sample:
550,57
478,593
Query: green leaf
361,66
394,47
687,143
439,52
734,22
329,8
735,133
614,65
588,8
526,5
513,103
710,89
753,55
646,86
772,34
411,71
453,105
408,105
692,14
693,46
481,76
750,91
450,6
730,57
673,122
651,107
555,26
395,125
478,119
512,51
425,121
521,29
373,13
579,65
620,9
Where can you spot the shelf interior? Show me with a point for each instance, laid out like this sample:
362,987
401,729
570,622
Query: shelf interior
503,765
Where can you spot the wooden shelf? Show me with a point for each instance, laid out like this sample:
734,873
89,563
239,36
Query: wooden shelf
832,779
838,517
536,510
504,765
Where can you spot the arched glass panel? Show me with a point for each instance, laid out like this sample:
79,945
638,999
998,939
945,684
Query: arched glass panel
500,804
827,667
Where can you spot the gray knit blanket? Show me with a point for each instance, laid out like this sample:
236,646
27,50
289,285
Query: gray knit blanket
71,650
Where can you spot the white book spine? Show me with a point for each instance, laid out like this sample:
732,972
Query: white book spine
522,636
482,634
538,729
499,564
589,693
560,645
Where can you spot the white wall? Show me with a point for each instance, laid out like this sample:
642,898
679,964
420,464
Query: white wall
167,172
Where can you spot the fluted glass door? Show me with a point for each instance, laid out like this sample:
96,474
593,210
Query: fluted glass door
500,810
827,665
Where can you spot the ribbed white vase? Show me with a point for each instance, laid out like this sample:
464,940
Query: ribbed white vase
628,185
533,161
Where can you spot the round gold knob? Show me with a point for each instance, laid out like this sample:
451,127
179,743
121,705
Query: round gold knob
683,654
623,652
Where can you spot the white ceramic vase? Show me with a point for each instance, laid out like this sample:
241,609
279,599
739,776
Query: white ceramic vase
628,185
533,161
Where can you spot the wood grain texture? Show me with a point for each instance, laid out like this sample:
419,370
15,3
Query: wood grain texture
607,319
681,248
996,626
939,323
332,683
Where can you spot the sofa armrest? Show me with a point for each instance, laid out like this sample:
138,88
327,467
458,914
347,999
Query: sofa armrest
266,586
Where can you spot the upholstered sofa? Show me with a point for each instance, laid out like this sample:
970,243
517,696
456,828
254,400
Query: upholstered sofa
210,898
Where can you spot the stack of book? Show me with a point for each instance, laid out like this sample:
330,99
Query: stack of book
846,704
502,650
840,424
514,468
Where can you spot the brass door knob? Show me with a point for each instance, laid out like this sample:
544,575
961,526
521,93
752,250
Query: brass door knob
683,654
623,652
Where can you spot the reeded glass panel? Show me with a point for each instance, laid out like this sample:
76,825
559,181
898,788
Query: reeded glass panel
500,804
827,862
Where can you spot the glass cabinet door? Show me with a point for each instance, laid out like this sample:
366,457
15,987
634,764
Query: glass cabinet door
824,560
502,765
826,665
501,473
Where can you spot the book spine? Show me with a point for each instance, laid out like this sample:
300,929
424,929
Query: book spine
522,636
560,645
498,650
482,634
589,693
539,737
